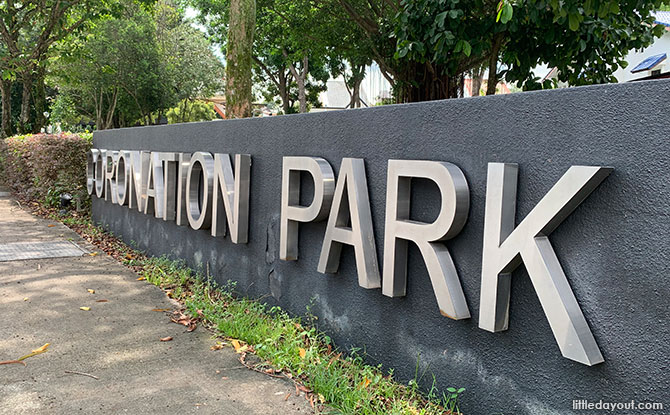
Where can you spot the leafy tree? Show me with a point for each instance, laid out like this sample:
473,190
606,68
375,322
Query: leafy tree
291,53
424,47
28,30
133,68
191,111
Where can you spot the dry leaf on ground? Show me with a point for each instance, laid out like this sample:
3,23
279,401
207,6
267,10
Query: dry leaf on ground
91,291
85,308
181,318
302,352
166,339
239,348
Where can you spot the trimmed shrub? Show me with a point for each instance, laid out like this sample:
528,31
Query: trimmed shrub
42,166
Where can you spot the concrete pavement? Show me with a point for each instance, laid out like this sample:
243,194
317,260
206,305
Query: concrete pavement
117,341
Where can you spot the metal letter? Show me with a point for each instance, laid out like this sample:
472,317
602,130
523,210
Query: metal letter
100,174
235,194
91,163
169,163
427,236
154,187
199,209
505,247
111,157
123,178
138,183
360,235
182,175
291,211
160,185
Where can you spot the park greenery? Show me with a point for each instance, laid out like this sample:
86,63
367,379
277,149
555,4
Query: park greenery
98,64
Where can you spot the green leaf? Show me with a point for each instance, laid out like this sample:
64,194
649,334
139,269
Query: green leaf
507,12
467,49
614,7
573,21
439,19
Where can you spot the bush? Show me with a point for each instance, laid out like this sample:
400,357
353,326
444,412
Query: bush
42,166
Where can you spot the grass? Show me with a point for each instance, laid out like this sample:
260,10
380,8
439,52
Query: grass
286,345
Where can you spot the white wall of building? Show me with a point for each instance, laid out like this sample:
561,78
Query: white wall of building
634,57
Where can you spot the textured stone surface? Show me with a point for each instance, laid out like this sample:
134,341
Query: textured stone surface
614,247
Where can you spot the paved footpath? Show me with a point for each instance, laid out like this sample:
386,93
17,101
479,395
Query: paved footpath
116,341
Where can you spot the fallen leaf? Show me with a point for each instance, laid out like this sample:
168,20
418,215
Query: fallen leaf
51,226
224,377
217,346
85,308
166,339
160,309
35,352
93,254
322,398
128,256
302,352
287,396
365,383
101,301
25,299
238,347
91,291
141,279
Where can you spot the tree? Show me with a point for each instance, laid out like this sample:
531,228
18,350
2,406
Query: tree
134,68
28,30
290,52
239,58
425,47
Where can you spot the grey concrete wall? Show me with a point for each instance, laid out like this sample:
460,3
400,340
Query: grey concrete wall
614,247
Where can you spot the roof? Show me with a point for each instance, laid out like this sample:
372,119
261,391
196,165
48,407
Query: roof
649,63
662,18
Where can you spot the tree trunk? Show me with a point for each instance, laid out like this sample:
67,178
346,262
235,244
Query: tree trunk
6,89
477,76
284,91
39,100
493,65
239,58
24,118
302,94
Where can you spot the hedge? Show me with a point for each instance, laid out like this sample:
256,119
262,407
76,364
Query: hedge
42,166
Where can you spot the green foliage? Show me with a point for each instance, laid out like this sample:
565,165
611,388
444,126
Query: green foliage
594,36
191,111
40,167
344,382
131,69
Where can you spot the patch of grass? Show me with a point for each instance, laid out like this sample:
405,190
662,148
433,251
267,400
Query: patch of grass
288,345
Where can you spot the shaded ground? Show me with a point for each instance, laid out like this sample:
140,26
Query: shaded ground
118,341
